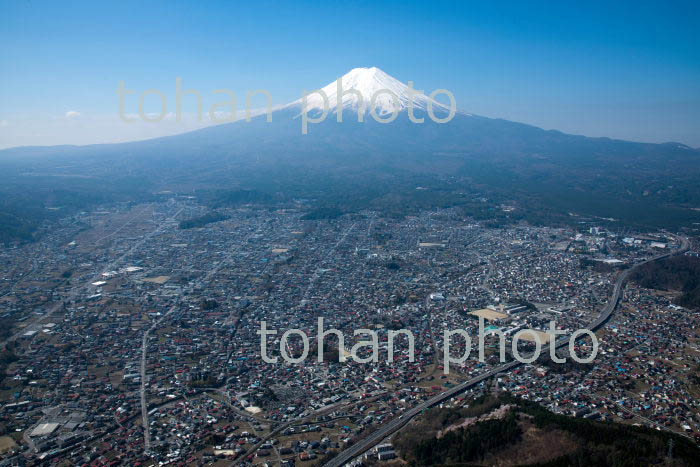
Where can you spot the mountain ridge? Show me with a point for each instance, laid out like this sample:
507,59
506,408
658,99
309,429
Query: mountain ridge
645,183
366,80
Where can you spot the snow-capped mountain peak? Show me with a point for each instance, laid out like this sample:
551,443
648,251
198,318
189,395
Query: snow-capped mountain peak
389,94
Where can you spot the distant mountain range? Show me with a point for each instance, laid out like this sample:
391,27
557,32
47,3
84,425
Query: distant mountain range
352,165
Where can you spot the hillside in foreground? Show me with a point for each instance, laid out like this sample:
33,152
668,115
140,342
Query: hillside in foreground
504,430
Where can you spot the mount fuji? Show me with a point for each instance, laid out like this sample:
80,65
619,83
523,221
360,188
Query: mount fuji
335,161
361,87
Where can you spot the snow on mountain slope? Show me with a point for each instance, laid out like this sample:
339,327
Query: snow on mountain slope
368,83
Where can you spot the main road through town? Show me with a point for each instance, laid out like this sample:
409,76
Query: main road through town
397,423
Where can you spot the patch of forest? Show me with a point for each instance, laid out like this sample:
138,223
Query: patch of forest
679,273
203,220
529,434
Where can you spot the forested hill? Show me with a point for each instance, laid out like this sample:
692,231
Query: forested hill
680,273
505,430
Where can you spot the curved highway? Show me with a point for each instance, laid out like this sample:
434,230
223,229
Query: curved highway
397,423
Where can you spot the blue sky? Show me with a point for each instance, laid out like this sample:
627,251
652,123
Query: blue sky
629,70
